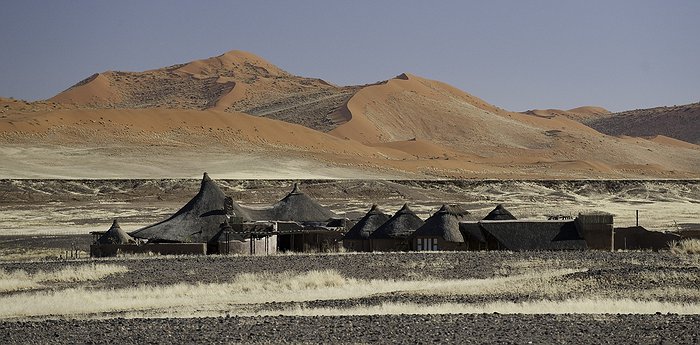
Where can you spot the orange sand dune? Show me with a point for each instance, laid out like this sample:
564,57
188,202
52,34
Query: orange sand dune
235,63
409,107
407,126
151,135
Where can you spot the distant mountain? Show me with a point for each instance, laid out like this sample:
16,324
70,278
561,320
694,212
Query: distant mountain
679,121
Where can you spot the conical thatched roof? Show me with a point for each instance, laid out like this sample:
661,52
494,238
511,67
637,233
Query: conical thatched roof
197,221
401,225
299,207
445,224
115,235
499,213
368,224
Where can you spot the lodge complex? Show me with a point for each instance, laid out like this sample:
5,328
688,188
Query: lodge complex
213,223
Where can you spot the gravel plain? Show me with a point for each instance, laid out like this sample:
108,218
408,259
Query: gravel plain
615,274
383,329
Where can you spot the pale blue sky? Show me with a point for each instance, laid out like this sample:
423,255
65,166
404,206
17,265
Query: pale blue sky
515,54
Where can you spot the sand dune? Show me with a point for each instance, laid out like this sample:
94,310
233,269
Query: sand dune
235,81
207,114
409,107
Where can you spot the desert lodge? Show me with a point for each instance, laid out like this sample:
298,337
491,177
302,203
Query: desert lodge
213,223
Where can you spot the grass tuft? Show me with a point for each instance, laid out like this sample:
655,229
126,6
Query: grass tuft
687,246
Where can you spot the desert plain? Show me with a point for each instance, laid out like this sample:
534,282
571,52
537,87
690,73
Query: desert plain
129,145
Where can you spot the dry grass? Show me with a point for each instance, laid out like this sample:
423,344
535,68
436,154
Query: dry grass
248,289
21,280
570,306
687,246
553,290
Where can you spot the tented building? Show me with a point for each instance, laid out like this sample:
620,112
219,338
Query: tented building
442,230
197,222
357,238
394,235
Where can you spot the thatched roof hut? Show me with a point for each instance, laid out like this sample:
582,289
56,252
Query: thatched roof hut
523,235
299,207
197,221
499,213
444,224
115,235
400,226
367,225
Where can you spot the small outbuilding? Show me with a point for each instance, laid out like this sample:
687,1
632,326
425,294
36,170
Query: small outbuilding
112,242
115,235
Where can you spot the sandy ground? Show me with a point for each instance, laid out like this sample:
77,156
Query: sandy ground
115,162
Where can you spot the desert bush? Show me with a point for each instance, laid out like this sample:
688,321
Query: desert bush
687,246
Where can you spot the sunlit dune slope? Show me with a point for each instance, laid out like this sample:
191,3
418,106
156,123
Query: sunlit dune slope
236,81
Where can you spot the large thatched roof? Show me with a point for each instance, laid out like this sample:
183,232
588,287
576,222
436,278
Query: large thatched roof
535,235
499,213
472,231
298,207
197,221
444,224
400,226
368,224
115,235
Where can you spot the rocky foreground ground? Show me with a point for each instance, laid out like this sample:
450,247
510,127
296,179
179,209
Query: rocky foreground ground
385,329
643,276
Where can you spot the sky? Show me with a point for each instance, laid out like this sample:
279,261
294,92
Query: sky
518,55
